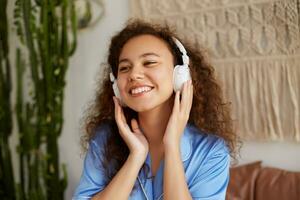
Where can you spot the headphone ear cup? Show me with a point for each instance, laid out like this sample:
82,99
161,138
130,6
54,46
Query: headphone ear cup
117,93
181,74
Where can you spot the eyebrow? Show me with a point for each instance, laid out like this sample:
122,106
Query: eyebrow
141,56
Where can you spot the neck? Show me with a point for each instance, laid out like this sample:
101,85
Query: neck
154,122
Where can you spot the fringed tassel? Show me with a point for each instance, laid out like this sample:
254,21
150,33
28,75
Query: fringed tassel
265,96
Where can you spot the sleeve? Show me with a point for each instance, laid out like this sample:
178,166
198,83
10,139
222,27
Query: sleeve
212,177
93,176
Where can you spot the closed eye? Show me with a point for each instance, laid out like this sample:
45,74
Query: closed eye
149,63
124,68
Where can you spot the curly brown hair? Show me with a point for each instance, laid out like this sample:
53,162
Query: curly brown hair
209,113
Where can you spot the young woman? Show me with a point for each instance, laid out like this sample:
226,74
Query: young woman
168,133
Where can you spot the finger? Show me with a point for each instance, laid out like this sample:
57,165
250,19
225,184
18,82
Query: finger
122,114
184,96
120,109
135,126
176,102
116,109
188,98
122,125
119,115
191,96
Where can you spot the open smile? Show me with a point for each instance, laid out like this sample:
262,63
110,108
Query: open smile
138,92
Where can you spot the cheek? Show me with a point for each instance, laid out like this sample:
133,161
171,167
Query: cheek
121,85
165,77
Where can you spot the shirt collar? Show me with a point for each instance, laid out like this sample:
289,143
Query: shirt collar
185,150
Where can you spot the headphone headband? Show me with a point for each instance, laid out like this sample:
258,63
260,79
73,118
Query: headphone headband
185,57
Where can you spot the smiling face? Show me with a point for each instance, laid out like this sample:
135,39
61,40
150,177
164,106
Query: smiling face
145,73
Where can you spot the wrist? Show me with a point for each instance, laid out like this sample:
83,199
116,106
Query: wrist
171,148
171,143
136,158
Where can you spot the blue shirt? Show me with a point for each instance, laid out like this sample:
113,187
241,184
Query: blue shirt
205,159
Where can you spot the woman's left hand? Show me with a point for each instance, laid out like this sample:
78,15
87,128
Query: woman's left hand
179,116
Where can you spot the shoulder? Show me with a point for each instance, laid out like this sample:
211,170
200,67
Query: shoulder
205,144
207,169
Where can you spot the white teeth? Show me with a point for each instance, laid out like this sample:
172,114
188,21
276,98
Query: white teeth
140,90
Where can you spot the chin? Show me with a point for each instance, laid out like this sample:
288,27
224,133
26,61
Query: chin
148,105
141,108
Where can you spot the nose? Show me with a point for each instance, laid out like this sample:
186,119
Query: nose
136,73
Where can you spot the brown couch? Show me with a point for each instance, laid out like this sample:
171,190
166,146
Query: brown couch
255,182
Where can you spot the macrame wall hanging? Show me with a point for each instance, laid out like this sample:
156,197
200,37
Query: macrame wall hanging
255,49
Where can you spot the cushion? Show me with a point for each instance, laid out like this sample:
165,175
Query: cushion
242,181
277,184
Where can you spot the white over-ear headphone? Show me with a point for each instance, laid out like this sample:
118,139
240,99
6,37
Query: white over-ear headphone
181,73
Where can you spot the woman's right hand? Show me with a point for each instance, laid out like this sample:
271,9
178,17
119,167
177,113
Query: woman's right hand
135,139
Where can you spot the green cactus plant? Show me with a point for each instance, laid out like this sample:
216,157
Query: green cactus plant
7,187
44,27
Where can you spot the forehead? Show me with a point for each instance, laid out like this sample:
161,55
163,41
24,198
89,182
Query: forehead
144,44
